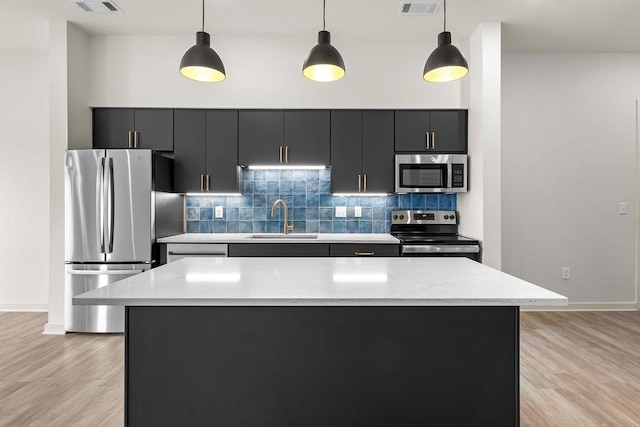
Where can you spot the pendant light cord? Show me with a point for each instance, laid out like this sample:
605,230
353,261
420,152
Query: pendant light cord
203,16
445,15
324,12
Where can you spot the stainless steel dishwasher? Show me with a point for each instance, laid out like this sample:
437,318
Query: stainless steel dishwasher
176,251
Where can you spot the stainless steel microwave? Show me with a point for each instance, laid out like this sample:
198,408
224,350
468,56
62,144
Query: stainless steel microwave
431,173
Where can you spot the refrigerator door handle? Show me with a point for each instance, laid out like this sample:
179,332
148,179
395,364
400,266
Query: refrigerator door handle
101,205
100,272
111,206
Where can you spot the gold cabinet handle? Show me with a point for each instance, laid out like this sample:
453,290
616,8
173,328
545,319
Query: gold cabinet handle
365,182
129,139
208,181
281,155
359,183
286,154
433,140
136,134
201,182
426,140
358,253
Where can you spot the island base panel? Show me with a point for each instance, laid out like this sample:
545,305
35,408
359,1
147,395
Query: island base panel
322,366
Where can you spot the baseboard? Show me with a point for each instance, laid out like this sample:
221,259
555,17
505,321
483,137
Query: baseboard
587,306
24,307
54,329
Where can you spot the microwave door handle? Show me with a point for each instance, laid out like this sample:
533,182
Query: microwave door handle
449,183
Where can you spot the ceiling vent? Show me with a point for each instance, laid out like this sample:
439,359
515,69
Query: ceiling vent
420,8
96,6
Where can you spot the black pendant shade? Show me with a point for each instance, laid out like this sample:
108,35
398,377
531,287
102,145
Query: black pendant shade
324,63
200,62
445,63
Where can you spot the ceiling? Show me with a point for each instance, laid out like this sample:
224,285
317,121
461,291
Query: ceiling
528,25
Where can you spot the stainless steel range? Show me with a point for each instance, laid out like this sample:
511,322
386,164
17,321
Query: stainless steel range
432,234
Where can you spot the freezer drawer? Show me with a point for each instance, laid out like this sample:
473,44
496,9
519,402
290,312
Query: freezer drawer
81,278
176,251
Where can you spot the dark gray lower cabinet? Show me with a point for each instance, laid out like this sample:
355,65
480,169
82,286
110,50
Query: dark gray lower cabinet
312,250
361,249
278,249
322,366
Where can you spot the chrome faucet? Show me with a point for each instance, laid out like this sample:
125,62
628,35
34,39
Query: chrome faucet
287,227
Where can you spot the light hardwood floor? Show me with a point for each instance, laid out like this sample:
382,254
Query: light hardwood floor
577,369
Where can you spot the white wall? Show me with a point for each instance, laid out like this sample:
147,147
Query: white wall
24,180
568,160
480,207
264,72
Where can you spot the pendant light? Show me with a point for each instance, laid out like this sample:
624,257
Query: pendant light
324,63
445,63
200,62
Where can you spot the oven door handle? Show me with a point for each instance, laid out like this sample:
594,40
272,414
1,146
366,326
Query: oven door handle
441,249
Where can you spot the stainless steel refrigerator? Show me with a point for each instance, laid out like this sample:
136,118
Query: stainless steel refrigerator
117,202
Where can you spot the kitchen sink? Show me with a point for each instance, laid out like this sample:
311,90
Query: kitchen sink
283,236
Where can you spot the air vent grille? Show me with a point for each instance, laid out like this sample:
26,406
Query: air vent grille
96,6
419,8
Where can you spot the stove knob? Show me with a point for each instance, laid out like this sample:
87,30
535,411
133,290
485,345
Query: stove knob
446,217
452,217
395,217
401,216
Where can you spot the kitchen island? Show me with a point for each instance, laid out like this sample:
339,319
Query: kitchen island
322,341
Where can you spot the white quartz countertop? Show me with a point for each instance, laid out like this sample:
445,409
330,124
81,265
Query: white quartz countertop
322,281
378,238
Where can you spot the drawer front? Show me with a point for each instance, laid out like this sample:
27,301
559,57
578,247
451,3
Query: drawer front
175,251
359,249
279,250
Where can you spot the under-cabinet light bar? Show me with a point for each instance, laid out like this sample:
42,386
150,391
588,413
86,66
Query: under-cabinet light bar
315,167
360,194
214,194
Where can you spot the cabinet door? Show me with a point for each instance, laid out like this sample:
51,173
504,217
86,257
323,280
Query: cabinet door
111,127
412,130
449,131
189,150
307,135
155,128
261,134
222,151
278,249
377,151
346,150
363,250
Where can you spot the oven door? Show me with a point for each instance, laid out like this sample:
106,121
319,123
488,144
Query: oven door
439,250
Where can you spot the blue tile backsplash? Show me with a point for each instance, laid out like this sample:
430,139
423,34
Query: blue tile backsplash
311,206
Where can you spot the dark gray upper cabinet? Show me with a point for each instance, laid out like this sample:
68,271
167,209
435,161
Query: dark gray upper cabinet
362,151
206,151
307,135
278,137
434,131
150,128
